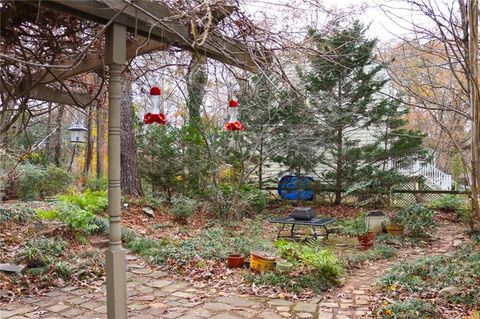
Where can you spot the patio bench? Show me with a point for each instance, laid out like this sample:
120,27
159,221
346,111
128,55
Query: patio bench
313,223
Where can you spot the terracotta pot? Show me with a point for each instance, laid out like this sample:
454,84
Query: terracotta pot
366,241
235,261
395,230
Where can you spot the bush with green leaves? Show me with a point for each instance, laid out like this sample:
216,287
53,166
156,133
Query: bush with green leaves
37,182
75,217
417,219
97,184
63,270
91,201
353,227
451,203
321,260
183,207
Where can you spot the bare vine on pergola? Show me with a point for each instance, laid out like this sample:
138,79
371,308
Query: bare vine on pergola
45,53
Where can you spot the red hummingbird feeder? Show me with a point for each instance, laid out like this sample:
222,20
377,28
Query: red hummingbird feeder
233,124
156,114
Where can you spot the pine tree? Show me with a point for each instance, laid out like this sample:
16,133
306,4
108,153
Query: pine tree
343,84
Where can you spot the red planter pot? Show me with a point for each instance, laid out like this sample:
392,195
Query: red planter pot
235,261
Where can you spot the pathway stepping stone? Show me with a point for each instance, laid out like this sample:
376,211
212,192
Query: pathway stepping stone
159,283
217,306
11,268
305,307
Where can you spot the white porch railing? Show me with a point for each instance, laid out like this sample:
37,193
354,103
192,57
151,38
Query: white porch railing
434,177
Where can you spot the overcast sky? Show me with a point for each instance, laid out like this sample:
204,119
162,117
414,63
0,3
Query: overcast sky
382,26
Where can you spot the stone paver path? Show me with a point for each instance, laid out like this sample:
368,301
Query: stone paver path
152,294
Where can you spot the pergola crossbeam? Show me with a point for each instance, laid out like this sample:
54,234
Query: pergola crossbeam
156,24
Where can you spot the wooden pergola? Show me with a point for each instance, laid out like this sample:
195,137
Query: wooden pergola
150,20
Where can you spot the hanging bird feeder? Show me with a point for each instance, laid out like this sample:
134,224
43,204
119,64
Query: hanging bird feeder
233,124
78,133
156,114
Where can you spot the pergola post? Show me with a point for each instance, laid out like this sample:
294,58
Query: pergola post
115,58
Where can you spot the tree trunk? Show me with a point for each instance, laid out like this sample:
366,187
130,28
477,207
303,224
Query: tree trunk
196,79
58,136
338,182
89,148
99,119
339,175
475,105
260,166
196,83
48,141
130,180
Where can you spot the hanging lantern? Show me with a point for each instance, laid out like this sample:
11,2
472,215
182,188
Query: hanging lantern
233,124
156,114
78,133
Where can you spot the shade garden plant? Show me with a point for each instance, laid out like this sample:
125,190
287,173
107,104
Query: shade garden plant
417,220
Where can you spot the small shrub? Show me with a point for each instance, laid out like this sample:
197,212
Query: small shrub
92,201
183,207
451,203
101,225
77,218
322,260
37,182
74,216
63,270
255,198
353,227
417,219
97,184
228,202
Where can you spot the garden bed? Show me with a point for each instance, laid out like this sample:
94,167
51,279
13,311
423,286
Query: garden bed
194,249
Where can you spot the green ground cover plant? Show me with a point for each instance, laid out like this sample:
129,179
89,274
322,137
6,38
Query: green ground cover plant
16,212
212,243
451,203
376,253
410,309
417,219
424,277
